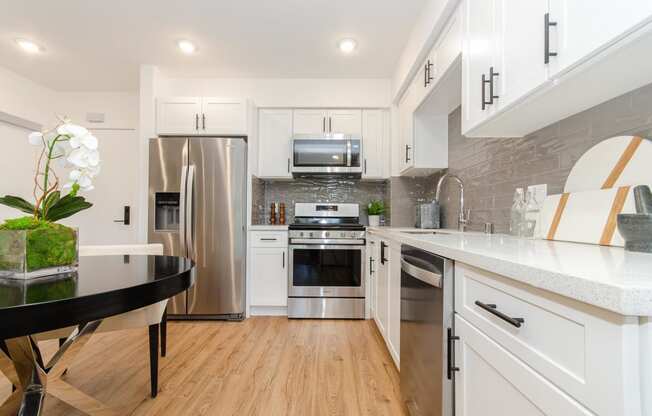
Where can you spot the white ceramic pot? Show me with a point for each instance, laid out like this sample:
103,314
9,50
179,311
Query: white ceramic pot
374,220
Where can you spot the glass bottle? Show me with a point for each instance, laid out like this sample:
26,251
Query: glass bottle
531,214
516,213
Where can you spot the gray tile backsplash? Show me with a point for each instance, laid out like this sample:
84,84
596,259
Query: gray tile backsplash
314,190
493,168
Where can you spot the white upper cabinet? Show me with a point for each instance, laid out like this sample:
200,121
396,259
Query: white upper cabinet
178,115
223,116
520,69
345,122
275,131
406,108
373,147
529,64
580,27
478,55
201,116
310,121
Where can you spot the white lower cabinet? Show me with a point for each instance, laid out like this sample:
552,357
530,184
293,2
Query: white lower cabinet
381,289
394,285
492,382
269,272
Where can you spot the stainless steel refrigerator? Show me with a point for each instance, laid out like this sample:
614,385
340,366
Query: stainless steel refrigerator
197,200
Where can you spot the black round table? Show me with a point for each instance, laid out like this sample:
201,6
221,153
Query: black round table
103,286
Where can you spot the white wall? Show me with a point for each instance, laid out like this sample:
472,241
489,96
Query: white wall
279,92
25,99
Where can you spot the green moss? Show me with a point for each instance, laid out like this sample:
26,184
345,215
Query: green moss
48,244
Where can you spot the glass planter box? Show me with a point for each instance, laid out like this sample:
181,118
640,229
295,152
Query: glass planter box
27,254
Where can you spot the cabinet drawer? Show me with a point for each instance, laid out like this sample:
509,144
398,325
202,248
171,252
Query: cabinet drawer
269,238
572,344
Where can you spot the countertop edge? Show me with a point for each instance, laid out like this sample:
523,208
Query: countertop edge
615,298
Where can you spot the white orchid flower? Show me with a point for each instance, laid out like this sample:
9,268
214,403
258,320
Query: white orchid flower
35,138
72,130
83,157
89,141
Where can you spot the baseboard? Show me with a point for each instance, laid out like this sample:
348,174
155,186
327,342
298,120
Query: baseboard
268,310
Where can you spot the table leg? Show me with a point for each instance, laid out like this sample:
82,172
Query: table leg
11,404
33,376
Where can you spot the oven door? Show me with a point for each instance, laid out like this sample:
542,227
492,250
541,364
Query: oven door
326,155
326,271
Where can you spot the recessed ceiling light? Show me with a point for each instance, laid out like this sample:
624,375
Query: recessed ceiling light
28,46
187,46
347,45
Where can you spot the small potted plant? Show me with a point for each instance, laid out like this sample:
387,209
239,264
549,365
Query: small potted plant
37,245
374,210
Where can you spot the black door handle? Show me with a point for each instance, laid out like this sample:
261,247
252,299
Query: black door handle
407,153
492,309
382,252
371,265
546,38
450,344
284,259
126,216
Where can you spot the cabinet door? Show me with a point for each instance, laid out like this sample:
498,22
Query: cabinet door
493,382
223,116
382,290
477,57
344,122
178,115
584,26
406,109
519,44
310,121
274,133
269,276
373,129
449,47
372,271
395,302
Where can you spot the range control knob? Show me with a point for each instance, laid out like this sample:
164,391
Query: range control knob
342,235
310,235
327,234
301,234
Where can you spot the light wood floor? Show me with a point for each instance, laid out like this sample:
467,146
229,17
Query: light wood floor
262,366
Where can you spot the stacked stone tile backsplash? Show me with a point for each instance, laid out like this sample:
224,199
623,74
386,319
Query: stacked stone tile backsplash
493,168
313,190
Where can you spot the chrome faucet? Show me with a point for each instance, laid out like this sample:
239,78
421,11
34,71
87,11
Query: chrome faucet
462,218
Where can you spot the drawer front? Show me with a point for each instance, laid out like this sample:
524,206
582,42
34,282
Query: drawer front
269,238
572,344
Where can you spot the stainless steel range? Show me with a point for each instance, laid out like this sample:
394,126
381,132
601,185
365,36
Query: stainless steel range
327,251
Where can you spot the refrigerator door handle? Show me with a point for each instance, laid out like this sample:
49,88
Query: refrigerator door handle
182,210
190,213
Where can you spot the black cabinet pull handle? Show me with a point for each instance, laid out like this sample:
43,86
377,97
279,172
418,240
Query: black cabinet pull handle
546,38
268,239
382,252
492,75
330,124
196,121
203,121
450,353
371,265
485,81
323,125
284,259
407,153
288,165
429,77
492,309
365,166
425,75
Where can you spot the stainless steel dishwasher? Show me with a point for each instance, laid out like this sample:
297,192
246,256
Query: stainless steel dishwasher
427,335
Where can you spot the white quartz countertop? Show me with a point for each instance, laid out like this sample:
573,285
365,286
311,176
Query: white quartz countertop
607,277
268,227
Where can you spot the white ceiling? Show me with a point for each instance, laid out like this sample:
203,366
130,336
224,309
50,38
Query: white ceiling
98,45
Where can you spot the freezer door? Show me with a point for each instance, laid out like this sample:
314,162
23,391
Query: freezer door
217,192
168,168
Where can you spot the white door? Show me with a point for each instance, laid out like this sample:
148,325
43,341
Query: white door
345,122
309,121
477,58
274,134
491,381
382,291
395,302
584,26
178,115
223,116
116,186
519,46
269,276
373,129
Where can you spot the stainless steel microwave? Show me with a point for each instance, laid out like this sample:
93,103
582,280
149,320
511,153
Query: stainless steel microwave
332,154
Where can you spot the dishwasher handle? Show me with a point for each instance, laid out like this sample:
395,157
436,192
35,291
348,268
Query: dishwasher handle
426,276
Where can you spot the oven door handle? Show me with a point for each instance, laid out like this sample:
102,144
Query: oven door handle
340,246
